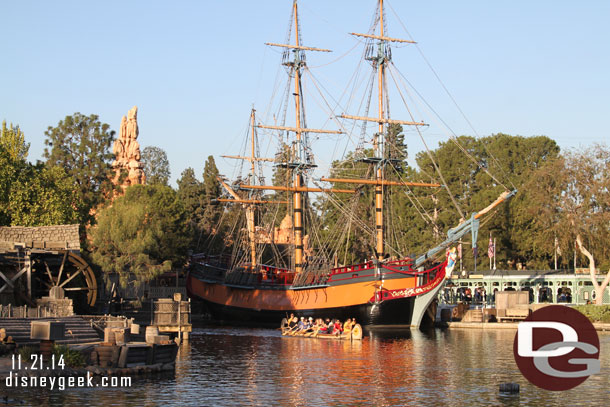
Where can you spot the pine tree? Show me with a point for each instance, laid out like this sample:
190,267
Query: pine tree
282,176
143,234
81,146
209,222
156,166
191,194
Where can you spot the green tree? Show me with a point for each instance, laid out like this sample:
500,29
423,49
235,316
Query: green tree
211,192
13,153
569,197
143,234
156,165
395,147
12,142
466,165
81,146
43,196
282,177
191,194
417,218
350,219
8,171
32,195
569,201
516,160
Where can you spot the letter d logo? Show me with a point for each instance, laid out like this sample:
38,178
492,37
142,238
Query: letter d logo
526,338
556,348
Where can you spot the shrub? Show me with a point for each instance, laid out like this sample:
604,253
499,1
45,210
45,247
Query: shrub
72,358
596,313
25,352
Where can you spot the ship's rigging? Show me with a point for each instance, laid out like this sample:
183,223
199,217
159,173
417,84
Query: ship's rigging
380,168
348,252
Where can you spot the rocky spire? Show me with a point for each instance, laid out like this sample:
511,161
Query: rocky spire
127,151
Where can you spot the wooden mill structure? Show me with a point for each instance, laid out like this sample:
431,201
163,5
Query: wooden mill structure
44,261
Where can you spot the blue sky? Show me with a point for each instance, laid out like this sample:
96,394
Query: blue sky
195,68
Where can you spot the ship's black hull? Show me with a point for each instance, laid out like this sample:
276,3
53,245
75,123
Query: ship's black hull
397,312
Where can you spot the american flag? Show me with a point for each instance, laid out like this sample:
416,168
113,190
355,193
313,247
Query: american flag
491,249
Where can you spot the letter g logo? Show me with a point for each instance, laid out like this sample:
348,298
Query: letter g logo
553,345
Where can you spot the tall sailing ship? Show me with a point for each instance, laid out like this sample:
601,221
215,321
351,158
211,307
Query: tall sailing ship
274,271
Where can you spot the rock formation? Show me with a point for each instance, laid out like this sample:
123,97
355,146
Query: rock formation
282,235
127,151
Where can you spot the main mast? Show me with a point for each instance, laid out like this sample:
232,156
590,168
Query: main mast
299,162
298,173
380,173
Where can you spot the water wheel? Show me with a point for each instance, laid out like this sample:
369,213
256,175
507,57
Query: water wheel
65,273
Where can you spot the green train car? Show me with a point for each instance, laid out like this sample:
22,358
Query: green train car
555,286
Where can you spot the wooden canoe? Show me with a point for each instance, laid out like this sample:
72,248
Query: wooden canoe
355,334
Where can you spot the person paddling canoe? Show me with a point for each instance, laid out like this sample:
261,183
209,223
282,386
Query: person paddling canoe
347,326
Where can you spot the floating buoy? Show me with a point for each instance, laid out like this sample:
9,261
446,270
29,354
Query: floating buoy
509,388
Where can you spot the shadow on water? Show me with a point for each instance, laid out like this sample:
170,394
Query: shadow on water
401,333
388,334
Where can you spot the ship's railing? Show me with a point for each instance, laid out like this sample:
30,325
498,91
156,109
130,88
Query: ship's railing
260,275
271,275
221,260
402,266
265,275
352,268
401,262
369,266
312,278
427,281
424,276
355,270
207,272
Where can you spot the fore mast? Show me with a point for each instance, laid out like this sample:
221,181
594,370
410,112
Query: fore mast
380,160
301,162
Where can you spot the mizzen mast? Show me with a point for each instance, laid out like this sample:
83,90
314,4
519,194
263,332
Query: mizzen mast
250,202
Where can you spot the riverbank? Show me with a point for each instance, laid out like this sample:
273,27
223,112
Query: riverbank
7,368
93,359
599,326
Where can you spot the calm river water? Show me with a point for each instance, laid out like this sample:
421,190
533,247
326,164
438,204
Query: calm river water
258,367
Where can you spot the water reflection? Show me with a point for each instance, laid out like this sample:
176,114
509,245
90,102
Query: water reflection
259,367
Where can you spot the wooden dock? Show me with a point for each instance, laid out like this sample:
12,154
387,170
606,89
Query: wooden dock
172,316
